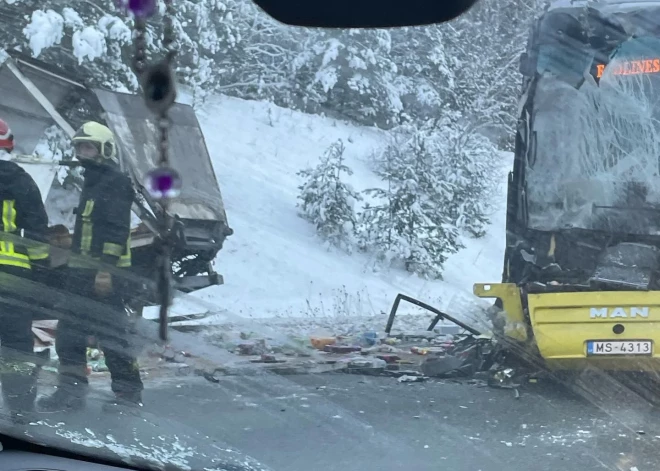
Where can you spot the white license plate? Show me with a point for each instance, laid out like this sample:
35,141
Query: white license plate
619,347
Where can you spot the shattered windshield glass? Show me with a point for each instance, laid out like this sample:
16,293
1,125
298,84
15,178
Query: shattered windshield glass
597,167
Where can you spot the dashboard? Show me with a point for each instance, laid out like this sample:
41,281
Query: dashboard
12,460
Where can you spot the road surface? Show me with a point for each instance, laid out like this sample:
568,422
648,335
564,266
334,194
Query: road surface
351,422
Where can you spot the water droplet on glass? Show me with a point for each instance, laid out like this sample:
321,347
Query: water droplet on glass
163,183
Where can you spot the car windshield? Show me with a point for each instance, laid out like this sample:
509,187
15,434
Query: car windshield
367,249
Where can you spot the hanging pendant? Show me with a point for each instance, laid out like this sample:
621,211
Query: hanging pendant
159,88
163,183
139,8
158,85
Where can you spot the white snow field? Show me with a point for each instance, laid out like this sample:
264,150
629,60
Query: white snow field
274,266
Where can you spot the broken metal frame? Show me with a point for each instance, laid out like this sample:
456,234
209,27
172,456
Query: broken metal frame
439,315
40,97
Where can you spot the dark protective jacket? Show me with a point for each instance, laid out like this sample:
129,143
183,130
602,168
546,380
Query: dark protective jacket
23,242
103,219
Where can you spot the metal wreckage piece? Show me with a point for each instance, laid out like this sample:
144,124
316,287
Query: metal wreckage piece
487,360
470,354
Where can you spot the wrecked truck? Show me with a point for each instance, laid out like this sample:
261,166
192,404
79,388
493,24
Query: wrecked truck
39,96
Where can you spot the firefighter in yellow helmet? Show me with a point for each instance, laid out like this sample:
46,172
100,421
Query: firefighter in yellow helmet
24,254
100,244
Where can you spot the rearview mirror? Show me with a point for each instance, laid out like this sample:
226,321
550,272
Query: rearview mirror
364,13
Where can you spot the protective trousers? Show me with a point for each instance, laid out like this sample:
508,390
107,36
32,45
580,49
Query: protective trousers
17,360
111,332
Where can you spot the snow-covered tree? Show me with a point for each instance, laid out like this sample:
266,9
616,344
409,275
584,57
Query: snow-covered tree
234,48
351,73
467,161
327,201
426,70
409,221
94,39
261,65
436,180
473,180
483,49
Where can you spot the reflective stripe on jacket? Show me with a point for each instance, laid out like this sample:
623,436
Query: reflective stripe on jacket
24,219
103,219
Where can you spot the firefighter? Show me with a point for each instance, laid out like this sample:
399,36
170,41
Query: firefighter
23,255
100,246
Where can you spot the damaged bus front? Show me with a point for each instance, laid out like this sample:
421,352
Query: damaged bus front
583,216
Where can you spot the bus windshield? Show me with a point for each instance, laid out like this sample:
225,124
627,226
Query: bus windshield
596,147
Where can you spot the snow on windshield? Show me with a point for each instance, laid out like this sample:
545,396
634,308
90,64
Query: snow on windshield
596,153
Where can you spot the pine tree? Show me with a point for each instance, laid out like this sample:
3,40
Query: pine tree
350,73
410,223
484,48
327,201
94,40
465,161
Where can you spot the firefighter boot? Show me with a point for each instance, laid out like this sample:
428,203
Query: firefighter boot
70,395
19,392
124,401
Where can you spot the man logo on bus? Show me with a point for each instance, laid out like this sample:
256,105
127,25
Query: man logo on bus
636,67
614,312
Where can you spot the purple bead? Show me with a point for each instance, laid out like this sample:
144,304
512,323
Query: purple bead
141,8
163,183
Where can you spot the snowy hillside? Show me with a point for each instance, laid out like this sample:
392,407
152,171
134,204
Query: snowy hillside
274,264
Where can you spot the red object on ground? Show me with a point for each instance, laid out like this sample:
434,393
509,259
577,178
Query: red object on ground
341,349
389,358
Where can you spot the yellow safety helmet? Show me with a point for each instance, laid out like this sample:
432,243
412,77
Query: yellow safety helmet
101,137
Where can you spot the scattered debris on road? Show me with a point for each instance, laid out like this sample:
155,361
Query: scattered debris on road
410,357
412,379
447,352
503,378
